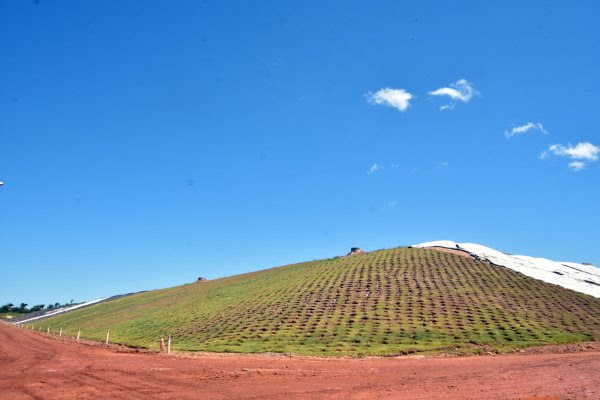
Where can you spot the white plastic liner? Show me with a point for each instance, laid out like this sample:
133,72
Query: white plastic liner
579,277
59,311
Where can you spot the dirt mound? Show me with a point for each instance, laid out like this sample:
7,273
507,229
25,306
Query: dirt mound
355,251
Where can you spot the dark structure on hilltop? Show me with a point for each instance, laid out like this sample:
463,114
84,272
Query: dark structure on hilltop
354,251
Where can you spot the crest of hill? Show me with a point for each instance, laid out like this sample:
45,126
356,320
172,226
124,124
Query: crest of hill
387,302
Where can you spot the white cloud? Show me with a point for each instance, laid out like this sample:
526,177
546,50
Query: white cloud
582,154
583,151
374,168
516,130
441,164
577,165
397,98
461,90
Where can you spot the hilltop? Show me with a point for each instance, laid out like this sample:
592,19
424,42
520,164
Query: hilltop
581,277
386,302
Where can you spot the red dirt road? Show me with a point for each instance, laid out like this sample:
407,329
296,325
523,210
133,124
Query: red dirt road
33,366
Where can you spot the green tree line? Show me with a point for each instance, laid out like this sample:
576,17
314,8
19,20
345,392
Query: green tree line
23,309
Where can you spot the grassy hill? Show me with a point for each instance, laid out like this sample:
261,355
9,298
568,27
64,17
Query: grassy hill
395,301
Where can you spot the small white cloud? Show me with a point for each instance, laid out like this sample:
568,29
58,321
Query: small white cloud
516,130
461,90
441,164
397,98
374,168
583,151
582,154
577,165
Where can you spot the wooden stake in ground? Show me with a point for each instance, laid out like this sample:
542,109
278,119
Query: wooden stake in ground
60,333
78,333
169,345
107,333
162,345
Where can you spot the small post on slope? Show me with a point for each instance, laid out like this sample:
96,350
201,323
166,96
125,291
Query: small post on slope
107,333
162,345
48,331
78,333
60,333
169,345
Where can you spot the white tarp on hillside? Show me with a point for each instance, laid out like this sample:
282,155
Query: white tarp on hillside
579,277
60,311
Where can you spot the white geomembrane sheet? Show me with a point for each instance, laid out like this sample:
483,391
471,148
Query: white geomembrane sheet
582,278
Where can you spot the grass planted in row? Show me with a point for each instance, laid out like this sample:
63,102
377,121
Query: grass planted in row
395,301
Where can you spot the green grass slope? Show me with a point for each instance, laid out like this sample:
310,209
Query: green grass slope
395,301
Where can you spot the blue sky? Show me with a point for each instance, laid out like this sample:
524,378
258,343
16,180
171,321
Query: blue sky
144,144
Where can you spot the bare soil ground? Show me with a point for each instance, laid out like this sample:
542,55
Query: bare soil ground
34,366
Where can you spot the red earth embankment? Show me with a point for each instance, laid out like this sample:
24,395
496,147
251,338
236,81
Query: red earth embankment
34,366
